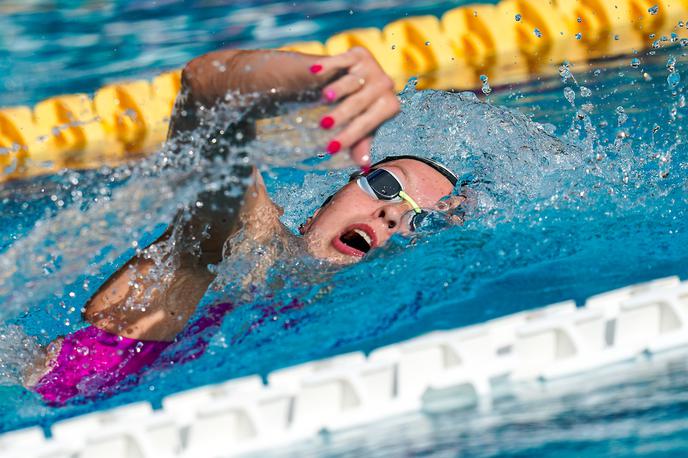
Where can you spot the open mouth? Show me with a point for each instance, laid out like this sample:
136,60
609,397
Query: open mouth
356,240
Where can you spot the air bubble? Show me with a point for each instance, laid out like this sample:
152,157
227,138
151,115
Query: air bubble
653,10
518,18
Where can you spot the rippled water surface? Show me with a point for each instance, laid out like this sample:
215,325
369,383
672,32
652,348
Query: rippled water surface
60,47
576,186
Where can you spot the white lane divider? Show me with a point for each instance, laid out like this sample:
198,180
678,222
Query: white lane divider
462,368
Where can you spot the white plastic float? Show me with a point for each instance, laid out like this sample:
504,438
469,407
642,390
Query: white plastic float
463,368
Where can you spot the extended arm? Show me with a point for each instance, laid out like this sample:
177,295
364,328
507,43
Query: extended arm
257,82
142,301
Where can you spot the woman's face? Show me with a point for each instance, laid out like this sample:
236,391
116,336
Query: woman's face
353,222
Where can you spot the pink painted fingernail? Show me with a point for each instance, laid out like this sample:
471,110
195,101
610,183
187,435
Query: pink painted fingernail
316,68
333,147
365,169
327,122
330,95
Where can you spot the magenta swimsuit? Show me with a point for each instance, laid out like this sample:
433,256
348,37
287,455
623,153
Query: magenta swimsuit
92,360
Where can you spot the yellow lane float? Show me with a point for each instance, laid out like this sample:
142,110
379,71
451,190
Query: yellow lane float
509,41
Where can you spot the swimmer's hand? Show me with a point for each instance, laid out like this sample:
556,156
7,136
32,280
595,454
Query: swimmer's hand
367,100
354,78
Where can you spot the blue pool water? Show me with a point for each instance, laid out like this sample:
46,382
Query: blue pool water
599,204
93,42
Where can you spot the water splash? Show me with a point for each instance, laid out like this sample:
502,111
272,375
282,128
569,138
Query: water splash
18,352
542,209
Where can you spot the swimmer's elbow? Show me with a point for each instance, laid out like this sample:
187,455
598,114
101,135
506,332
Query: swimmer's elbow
204,79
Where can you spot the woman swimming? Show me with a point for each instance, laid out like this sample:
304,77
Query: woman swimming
383,199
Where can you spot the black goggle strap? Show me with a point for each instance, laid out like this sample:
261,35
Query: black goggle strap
328,200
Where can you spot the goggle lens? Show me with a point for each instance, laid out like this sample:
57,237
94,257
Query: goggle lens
382,183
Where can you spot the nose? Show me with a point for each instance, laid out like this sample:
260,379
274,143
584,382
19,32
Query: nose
390,215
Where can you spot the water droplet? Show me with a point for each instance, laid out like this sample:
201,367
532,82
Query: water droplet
427,43
569,95
518,18
580,19
585,92
537,33
579,36
673,79
617,37
486,85
622,117
394,47
565,72
635,62
653,10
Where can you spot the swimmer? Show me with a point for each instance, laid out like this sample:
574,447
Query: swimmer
384,198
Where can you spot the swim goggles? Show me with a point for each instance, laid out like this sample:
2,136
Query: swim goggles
382,184
382,187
